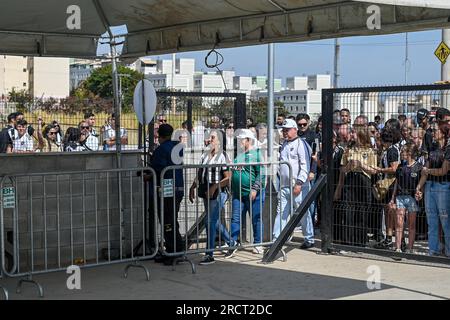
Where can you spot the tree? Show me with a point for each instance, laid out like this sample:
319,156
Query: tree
23,99
100,84
257,109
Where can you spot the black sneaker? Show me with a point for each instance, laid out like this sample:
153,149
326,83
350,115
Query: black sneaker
207,260
306,245
230,253
385,244
403,246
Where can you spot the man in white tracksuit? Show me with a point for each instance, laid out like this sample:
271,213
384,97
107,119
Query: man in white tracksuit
297,152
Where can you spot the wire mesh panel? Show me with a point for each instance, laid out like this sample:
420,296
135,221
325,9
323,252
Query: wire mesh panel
388,164
58,126
51,221
194,114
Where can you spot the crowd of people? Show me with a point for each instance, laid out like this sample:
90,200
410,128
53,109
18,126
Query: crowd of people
20,137
386,174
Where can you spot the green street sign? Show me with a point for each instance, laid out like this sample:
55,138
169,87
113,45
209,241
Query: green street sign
9,198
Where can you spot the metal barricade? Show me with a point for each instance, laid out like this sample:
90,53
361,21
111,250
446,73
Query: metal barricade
89,219
183,223
375,203
3,289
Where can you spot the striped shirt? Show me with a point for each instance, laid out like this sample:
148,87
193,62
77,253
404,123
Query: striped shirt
215,174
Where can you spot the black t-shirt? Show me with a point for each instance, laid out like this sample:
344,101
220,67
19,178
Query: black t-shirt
337,159
436,160
309,135
30,130
408,178
5,139
428,144
391,155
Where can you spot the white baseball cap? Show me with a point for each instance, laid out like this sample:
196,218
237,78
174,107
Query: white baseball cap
288,124
246,133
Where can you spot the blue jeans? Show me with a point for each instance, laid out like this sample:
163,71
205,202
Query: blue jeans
437,207
312,209
240,208
213,221
284,213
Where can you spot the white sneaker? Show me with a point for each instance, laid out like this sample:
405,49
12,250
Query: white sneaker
398,250
298,229
224,248
258,250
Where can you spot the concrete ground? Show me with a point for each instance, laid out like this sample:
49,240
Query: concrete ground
305,275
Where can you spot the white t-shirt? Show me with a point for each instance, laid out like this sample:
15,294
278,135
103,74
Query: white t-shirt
110,133
24,143
92,143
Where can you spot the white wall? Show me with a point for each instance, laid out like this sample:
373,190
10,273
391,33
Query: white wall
12,74
51,77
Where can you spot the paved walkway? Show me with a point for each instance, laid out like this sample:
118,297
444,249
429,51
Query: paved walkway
306,275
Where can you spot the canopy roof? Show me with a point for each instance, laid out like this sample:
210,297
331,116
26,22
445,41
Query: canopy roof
30,27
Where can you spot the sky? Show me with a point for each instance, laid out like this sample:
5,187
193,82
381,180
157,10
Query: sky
365,61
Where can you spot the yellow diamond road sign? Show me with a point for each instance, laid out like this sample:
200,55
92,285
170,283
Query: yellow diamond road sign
442,52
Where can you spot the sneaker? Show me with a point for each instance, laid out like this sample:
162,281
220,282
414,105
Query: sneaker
258,250
385,244
398,250
224,248
306,245
207,260
230,253
298,229
403,246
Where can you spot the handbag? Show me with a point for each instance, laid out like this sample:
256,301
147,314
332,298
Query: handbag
381,188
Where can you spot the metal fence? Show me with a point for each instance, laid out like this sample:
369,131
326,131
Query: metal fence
63,130
240,222
194,113
376,144
50,221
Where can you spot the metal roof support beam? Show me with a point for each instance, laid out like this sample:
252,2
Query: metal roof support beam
329,21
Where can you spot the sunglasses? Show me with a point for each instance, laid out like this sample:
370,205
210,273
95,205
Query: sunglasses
52,133
160,120
84,127
302,125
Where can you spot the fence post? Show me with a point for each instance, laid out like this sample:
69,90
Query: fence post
327,168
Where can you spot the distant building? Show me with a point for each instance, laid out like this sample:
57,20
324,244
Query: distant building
81,69
208,82
298,101
297,83
319,82
41,77
144,65
13,74
49,77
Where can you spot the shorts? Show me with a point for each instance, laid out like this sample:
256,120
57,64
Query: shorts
408,203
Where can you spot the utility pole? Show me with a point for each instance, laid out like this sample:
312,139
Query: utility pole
270,104
337,53
336,75
173,82
405,105
445,69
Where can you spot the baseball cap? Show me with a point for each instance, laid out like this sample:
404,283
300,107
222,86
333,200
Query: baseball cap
246,133
288,124
422,114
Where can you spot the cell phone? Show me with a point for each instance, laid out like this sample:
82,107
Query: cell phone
315,146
